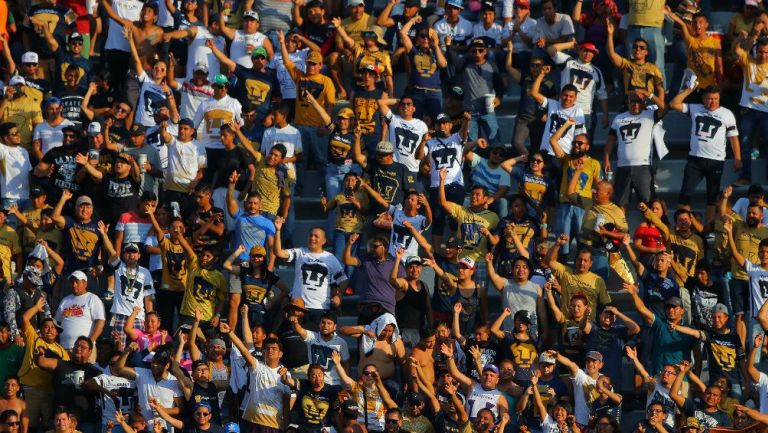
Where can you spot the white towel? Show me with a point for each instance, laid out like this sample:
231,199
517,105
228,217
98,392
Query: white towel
377,326
658,139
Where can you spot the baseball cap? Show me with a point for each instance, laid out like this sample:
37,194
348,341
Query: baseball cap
138,129
346,113
78,275
187,122
491,367
467,262
17,79
83,199
523,316
232,427
351,3
674,301
589,46
594,354
350,407
442,117
413,3
52,100
163,357
414,397
523,3
453,242
201,66
132,247
413,259
455,3
720,308
75,36
259,52
29,57
94,128
217,342
252,15
314,57
369,67
385,147
37,191
479,43
296,303
221,79
258,250
204,404
544,358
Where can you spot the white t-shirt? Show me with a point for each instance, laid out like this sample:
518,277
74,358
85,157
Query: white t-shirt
321,351
50,136
14,176
287,85
184,160
151,95
758,285
243,44
164,390
556,117
400,236
754,95
584,392
585,76
446,153
288,136
152,138
709,130
213,113
155,260
131,287
660,395
634,137
191,97
77,314
742,205
266,395
406,136
561,27
197,52
128,10
126,394
314,275
461,32
495,32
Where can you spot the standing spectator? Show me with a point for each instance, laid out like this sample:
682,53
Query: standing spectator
187,161
371,282
704,55
558,112
552,28
520,294
322,345
49,134
705,410
250,226
528,124
638,71
427,60
414,311
20,107
212,114
453,29
388,177
81,313
206,287
606,336
406,132
81,241
712,127
16,165
646,20
753,104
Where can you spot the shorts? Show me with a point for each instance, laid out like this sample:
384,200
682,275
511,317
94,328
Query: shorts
638,178
739,296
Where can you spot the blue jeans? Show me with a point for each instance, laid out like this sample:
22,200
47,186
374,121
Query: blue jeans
22,203
600,264
429,102
749,121
568,221
656,44
486,126
315,146
340,239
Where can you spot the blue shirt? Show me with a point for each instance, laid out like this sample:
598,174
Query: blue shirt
252,230
670,347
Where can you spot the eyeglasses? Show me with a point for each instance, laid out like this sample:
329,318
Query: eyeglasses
257,256
76,42
369,373
12,424
655,410
202,414
478,50
392,421
668,372
639,47
537,161
260,57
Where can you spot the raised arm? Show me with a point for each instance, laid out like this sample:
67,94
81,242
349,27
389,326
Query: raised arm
735,253
249,359
616,59
447,350
348,258
496,326
347,381
137,65
513,72
754,355
280,253
640,369
674,390
640,306
223,59
571,366
497,280
555,138
536,87
678,102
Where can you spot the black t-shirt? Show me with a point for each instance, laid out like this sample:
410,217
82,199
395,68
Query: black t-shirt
235,159
103,99
207,394
67,381
391,181
122,195
411,311
703,298
707,420
257,87
199,218
491,352
64,170
324,35
295,351
311,408
71,104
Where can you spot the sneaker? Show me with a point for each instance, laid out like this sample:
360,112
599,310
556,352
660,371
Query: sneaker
108,295
742,182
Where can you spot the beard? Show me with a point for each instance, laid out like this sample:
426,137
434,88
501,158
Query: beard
578,153
753,222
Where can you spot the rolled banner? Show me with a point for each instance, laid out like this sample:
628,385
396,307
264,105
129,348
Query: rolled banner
619,265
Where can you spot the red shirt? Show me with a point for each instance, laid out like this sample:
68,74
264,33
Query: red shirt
82,23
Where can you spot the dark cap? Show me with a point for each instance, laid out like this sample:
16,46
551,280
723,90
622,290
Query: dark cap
442,117
350,407
674,301
479,43
187,122
37,192
162,357
453,242
413,3
415,397
137,129
523,316
487,6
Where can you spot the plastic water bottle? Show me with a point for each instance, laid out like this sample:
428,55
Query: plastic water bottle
755,154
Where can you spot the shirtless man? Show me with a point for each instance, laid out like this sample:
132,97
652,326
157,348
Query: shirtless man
424,353
146,34
384,353
11,400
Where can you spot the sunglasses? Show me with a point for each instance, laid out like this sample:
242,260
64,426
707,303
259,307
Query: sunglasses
13,424
392,421
537,161
29,64
202,414
76,42
639,47
579,142
257,256
369,373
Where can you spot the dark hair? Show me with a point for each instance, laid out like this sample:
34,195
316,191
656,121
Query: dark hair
204,187
396,410
86,339
754,189
763,243
7,414
427,332
703,265
148,196
280,147
569,87
18,380
5,128
330,315
554,5
4,325
681,212
755,204
699,15
641,40
710,90
282,108
273,340
314,366
481,187
584,250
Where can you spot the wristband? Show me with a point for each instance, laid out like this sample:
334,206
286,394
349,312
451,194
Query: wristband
543,226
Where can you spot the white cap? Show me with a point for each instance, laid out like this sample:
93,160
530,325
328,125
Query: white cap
17,79
94,128
251,14
29,57
78,275
201,66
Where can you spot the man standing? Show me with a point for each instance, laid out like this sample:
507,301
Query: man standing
218,110
15,164
377,295
638,71
646,19
20,107
49,134
81,313
754,104
322,344
706,410
584,383
405,132
631,134
711,127
81,235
